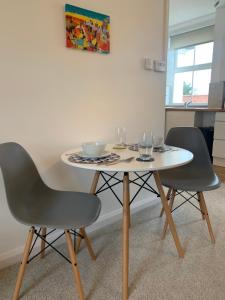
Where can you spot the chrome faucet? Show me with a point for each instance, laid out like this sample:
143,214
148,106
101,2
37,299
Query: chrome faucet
186,104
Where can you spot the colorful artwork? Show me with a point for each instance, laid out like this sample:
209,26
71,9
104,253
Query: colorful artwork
87,30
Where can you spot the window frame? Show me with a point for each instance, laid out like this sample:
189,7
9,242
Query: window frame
192,68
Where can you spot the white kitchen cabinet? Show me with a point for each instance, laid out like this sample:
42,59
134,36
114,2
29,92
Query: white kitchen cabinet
219,140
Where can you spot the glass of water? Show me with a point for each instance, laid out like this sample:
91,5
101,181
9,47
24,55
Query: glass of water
145,146
158,141
121,137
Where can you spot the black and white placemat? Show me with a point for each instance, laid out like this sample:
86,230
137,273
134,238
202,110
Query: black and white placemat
133,147
75,158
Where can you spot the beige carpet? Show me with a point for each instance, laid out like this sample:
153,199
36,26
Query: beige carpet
155,270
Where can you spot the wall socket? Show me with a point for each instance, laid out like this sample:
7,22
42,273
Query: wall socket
159,66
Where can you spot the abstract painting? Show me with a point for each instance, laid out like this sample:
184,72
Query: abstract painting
87,30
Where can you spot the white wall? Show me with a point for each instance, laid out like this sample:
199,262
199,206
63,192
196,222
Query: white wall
218,67
53,98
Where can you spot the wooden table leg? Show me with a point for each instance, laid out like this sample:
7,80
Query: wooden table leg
171,207
95,182
129,216
92,191
126,199
168,198
168,214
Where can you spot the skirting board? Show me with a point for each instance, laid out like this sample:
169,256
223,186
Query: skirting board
14,256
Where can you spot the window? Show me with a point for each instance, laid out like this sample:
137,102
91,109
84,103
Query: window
190,74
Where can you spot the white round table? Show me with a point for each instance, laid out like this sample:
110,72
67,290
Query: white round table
172,158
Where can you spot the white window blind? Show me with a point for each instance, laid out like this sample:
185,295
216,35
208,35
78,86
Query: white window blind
199,36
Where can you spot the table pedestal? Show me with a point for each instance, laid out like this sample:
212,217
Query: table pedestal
126,224
126,216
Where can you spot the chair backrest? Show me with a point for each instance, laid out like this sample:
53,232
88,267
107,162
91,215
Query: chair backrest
192,139
21,178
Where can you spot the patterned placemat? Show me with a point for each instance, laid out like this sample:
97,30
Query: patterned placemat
133,147
75,158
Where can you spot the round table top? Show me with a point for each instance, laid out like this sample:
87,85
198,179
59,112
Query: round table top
172,158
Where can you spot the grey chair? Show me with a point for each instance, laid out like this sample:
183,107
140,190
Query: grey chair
33,203
191,180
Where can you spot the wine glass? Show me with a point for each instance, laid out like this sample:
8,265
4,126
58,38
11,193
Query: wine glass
145,146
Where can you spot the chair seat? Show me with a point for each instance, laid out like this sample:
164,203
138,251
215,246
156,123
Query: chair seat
61,209
189,179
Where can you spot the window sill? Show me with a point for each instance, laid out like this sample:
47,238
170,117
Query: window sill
191,105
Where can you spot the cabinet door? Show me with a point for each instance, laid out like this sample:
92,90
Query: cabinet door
219,148
219,131
179,119
220,116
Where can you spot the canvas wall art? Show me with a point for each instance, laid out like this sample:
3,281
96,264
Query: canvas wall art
87,30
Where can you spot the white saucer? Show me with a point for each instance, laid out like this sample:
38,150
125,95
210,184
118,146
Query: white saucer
83,155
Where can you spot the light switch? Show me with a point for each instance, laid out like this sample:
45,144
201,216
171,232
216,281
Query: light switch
149,64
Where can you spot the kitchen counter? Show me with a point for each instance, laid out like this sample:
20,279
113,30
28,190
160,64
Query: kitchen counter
203,109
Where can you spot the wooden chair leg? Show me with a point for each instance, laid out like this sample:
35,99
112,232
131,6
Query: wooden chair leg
168,198
204,207
23,264
43,233
74,264
200,205
170,206
168,215
88,243
92,191
79,239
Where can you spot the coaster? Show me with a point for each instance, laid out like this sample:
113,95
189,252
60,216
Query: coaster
119,146
143,160
161,149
